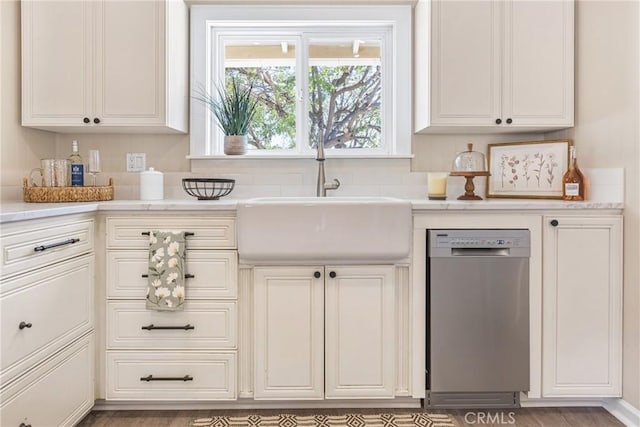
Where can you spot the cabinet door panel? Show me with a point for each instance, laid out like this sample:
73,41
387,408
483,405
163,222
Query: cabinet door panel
43,312
360,341
130,67
465,62
582,319
56,58
538,63
289,332
215,274
213,375
213,326
58,392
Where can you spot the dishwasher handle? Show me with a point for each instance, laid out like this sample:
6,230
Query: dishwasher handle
488,252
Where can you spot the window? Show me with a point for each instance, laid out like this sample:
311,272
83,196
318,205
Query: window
341,79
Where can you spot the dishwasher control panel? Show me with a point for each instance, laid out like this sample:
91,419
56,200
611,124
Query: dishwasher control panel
479,238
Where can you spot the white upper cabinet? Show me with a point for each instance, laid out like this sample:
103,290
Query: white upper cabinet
493,66
105,66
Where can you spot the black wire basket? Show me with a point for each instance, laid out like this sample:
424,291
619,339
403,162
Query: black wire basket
208,188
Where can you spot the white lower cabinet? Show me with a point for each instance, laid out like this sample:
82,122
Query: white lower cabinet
179,355
47,308
324,332
582,317
177,375
359,332
201,325
36,315
289,333
56,393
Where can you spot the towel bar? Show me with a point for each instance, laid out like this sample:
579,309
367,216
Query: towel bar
152,327
186,233
151,378
186,276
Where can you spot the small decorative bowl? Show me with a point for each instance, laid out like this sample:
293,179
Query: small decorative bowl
208,188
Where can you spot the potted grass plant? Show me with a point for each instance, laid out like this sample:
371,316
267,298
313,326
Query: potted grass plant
234,108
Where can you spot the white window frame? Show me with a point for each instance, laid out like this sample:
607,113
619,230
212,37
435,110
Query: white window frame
211,22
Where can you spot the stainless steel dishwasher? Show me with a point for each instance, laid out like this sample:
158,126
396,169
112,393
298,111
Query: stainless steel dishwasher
477,317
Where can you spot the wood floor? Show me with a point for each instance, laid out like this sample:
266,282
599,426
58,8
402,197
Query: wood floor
523,417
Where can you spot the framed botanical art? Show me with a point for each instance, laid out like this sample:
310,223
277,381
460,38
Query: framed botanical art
528,170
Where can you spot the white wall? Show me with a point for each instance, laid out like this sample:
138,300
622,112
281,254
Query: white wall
20,148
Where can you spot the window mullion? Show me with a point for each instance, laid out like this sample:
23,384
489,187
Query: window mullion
302,99
216,135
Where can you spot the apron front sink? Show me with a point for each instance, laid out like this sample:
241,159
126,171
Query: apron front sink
278,230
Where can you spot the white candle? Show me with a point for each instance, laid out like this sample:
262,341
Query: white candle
437,185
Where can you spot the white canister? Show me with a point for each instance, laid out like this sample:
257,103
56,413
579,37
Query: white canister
151,185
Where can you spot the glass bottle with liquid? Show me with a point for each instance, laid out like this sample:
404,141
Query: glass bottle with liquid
573,180
77,167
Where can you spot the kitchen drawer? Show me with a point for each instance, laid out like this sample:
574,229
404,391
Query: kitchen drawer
208,233
214,326
55,304
21,243
57,393
213,375
215,274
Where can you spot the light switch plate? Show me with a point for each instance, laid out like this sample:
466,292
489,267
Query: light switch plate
136,162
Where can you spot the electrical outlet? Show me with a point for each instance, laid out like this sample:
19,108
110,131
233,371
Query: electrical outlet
136,162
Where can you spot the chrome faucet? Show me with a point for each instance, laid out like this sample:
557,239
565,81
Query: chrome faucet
323,186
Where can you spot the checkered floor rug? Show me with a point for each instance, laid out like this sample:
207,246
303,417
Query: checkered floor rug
348,420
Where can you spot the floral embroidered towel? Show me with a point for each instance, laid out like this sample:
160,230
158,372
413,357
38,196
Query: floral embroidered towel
165,286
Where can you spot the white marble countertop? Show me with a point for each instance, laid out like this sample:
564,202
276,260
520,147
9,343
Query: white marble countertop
511,205
20,211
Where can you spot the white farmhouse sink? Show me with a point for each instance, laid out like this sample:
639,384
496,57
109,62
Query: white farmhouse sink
285,230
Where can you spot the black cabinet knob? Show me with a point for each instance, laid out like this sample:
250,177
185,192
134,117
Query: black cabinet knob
332,274
498,121
23,325
24,425
554,222
317,274
86,120
96,120
509,121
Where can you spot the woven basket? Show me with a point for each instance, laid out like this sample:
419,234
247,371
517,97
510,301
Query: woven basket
67,194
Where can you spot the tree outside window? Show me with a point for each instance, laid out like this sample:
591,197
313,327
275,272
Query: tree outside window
343,95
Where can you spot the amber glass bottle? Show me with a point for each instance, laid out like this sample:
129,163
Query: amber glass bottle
573,180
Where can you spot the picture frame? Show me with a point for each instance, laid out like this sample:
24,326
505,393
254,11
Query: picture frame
527,170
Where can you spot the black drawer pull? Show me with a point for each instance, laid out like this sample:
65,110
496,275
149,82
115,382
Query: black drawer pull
151,378
152,327
55,245
186,276
554,222
24,425
23,325
186,233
